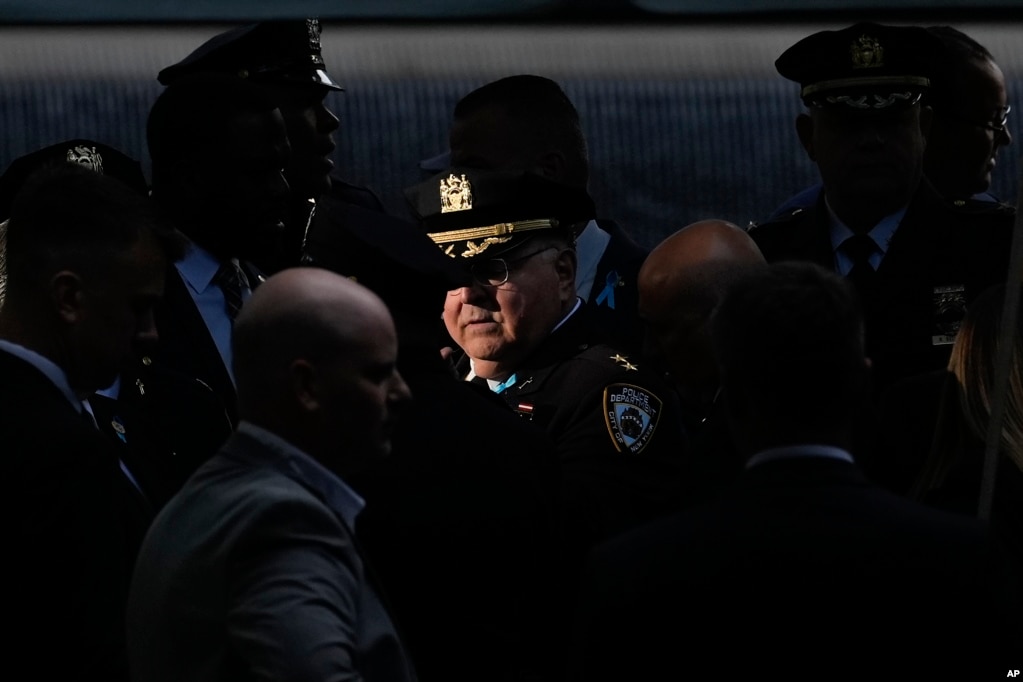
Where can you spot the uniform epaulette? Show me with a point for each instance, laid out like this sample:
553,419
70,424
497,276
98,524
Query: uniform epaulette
753,225
607,356
983,207
356,195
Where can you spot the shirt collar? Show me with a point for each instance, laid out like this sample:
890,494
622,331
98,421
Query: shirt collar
881,233
48,367
336,493
589,249
797,451
495,385
198,268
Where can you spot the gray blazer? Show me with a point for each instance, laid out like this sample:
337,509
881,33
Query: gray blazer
252,572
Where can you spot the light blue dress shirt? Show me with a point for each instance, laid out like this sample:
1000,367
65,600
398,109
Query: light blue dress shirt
199,270
881,233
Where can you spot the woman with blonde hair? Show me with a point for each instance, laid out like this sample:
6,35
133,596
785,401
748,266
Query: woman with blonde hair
951,475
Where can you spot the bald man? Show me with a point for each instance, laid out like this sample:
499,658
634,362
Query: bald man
253,569
681,283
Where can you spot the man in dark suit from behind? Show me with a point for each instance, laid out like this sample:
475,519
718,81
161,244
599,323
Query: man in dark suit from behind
803,566
253,570
527,123
86,260
915,259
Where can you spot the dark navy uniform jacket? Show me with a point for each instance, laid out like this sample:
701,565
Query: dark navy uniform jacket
616,425
939,259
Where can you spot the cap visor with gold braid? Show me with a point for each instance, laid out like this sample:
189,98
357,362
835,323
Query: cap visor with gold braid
866,67
473,213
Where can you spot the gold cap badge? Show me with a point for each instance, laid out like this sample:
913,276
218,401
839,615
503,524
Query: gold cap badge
455,194
866,53
86,156
312,27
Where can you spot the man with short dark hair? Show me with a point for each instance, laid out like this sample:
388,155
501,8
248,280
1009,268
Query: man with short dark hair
86,259
163,420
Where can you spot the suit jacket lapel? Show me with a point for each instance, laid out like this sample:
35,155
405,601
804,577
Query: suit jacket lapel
186,344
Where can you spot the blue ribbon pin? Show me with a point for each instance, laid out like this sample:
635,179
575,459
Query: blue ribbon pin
608,293
506,384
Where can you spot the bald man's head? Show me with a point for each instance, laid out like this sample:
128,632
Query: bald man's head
681,283
314,362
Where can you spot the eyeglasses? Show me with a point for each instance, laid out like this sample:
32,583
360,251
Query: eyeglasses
997,125
494,271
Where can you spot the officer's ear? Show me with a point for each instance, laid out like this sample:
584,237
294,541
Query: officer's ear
565,265
67,292
304,385
551,165
804,128
926,119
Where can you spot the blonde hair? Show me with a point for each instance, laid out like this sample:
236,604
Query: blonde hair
968,393
3,261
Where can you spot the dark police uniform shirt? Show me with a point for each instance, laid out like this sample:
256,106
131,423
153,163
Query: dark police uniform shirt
617,429
939,258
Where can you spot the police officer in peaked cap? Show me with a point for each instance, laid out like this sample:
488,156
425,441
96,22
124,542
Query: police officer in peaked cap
525,334
286,57
915,259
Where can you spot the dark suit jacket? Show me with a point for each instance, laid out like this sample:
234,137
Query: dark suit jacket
177,403
251,571
936,245
70,533
618,266
803,564
166,424
186,346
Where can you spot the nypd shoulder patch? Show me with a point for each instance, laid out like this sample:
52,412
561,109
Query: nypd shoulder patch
631,413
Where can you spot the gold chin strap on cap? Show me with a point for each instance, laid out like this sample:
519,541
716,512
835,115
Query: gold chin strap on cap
490,235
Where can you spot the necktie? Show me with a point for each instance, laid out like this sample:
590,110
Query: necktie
231,280
87,415
106,407
863,276
860,248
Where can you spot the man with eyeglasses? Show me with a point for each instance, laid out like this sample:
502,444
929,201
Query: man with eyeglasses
527,122
968,127
523,331
971,115
915,259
